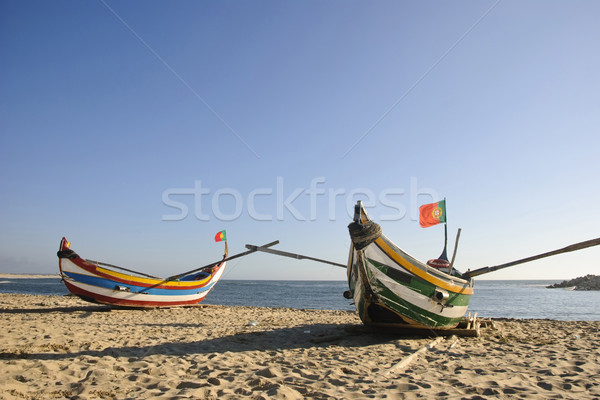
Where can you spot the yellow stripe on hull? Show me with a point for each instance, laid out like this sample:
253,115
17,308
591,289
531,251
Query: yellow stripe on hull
151,281
419,272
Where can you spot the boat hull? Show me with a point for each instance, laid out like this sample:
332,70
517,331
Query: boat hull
94,283
389,287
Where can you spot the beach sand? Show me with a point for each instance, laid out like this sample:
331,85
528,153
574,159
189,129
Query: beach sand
62,347
28,276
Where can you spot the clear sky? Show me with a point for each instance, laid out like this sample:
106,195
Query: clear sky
140,129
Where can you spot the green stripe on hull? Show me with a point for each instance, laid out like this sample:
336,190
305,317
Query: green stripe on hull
421,286
405,308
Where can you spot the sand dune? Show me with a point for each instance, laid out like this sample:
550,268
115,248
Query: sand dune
61,347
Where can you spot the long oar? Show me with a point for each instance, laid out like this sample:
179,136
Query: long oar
292,255
245,253
573,247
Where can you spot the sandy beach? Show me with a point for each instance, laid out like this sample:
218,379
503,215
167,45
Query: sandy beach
28,276
62,347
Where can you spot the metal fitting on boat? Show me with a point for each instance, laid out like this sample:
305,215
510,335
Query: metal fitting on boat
440,295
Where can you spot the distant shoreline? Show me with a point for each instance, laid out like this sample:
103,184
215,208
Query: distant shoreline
28,276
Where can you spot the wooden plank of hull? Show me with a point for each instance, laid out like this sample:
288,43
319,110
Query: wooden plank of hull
470,327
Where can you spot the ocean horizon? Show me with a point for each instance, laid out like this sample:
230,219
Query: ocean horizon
521,299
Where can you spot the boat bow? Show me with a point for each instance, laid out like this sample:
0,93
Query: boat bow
389,286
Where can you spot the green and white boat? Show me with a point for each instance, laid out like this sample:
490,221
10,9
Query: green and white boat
391,288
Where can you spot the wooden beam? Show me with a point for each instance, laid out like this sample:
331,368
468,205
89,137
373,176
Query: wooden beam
573,247
407,360
292,255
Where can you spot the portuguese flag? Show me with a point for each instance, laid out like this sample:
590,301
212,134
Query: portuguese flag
432,214
220,237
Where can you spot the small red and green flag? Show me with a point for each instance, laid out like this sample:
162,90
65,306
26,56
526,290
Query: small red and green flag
432,214
220,237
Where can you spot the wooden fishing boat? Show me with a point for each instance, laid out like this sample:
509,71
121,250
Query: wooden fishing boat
98,282
391,288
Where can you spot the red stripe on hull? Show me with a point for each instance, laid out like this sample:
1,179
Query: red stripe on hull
123,302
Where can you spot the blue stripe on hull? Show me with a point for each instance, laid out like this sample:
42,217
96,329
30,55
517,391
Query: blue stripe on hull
110,284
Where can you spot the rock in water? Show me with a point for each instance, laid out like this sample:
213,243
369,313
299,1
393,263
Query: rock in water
588,282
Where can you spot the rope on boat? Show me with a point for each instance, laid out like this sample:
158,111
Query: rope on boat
363,234
70,254
124,269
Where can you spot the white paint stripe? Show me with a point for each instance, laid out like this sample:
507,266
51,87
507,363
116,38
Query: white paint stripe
419,300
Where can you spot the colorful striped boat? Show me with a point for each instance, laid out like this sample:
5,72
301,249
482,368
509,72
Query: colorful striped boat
391,288
98,282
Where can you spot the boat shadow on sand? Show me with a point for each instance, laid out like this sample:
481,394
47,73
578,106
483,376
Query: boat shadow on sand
62,309
241,339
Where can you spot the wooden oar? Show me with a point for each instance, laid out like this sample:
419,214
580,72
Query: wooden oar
245,253
573,247
292,255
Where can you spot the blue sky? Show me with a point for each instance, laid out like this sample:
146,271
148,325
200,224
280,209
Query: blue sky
139,129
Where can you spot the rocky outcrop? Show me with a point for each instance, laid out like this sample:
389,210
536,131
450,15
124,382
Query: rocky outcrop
588,282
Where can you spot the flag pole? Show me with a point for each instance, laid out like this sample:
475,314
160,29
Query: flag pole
444,255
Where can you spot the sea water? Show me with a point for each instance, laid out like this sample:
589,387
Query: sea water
532,299
43,286
492,299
